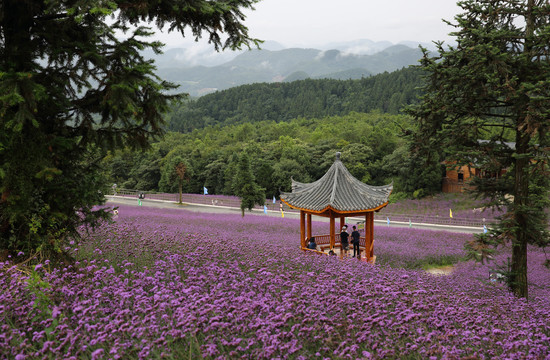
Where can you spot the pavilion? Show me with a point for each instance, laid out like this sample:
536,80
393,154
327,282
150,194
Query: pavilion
337,195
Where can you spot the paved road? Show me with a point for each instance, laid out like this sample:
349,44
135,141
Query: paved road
293,215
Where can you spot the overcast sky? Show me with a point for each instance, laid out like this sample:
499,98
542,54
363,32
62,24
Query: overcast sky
306,23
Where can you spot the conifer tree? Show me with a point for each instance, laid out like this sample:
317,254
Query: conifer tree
494,85
175,170
72,88
245,186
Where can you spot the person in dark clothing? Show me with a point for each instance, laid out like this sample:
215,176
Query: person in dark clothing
355,241
344,239
311,244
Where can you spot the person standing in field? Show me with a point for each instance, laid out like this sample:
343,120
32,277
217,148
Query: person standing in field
344,239
355,241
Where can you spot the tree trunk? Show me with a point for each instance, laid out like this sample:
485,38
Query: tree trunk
518,276
180,185
4,255
17,25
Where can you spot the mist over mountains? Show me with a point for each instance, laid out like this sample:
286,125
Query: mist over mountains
199,71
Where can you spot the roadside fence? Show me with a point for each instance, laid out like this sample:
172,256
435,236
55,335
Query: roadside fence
235,202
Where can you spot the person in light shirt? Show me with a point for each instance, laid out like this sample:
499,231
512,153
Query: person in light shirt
344,242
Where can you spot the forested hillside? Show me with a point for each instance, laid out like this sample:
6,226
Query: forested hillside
371,144
288,130
387,92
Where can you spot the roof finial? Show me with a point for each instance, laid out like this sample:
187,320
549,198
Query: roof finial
338,156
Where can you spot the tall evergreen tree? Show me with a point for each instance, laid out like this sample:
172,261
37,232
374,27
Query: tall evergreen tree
70,89
245,186
175,170
495,86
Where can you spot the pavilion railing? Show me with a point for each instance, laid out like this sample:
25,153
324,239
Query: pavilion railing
323,240
323,244
320,252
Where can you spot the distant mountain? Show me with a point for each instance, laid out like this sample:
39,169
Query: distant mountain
369,47
358,47
301,98
200,55
258,66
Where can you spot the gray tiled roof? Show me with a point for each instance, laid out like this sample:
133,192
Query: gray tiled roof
339,190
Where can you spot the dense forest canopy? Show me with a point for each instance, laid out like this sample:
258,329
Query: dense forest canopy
303,148
387,92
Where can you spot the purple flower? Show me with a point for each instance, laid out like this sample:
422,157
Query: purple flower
96,354
55,312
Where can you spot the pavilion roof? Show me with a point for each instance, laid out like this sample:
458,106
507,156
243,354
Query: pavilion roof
337,190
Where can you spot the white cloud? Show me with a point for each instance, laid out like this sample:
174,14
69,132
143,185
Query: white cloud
320,21
265,65
314,23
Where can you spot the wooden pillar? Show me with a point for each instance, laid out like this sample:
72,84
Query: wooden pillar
367,230
302,228
372,234
332,239
342,222
309,226
369,235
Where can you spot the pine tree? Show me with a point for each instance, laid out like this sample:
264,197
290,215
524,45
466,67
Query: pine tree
245,186
70,90
495,86
175,170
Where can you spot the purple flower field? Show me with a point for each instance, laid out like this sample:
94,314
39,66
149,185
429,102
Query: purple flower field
176,284
437,209
466,210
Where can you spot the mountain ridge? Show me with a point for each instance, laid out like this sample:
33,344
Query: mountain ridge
301,98
257,66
